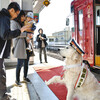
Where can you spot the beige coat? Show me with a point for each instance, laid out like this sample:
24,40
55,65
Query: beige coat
19,42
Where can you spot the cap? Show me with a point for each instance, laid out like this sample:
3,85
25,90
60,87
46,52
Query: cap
30,14
74,44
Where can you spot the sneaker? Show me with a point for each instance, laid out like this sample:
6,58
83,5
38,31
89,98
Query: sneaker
18,84
6,97
40,61
27,80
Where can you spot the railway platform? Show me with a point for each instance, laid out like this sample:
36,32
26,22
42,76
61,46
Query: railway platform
37,89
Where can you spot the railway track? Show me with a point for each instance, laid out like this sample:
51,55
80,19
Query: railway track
53,54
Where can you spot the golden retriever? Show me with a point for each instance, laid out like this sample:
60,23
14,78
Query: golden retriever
84,86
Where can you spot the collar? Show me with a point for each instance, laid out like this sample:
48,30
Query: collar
72,66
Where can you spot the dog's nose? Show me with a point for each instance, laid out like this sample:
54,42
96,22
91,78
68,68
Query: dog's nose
64,57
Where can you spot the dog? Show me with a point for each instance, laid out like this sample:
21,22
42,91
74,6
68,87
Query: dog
77,78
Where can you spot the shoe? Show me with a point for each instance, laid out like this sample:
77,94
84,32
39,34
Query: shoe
27,80
46,62
6,97
40,61
18,84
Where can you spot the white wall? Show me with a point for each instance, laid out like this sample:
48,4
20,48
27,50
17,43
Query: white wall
27,4
18,1
4,4
0,4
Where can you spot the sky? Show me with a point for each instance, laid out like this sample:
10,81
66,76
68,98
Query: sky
53,18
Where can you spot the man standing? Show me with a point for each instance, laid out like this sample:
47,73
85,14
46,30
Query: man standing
41,39
5,41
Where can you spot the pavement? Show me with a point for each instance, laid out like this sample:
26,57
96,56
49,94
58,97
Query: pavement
37,89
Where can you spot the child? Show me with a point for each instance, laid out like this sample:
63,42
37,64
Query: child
29,21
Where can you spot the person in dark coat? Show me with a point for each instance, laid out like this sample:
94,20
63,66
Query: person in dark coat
41,39
5,41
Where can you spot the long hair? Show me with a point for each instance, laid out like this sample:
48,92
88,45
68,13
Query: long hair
18,19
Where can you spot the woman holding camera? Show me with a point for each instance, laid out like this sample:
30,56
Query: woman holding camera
19,50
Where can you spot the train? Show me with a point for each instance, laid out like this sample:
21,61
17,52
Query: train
86,28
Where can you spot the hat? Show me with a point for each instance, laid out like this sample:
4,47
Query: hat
30,14
76,47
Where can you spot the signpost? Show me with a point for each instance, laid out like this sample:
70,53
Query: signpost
46,3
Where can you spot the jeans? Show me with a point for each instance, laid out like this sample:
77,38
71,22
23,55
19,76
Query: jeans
2,80
19,66
40,54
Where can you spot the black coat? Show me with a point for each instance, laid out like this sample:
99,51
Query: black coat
40,41
6,33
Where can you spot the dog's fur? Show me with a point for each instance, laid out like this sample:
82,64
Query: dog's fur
90,90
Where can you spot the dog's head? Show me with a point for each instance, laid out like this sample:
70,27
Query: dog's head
72,55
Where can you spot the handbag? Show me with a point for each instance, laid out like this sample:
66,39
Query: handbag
32,52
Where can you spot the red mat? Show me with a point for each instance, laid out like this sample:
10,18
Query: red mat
48,72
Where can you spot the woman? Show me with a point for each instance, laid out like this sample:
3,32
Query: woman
41,39
20,45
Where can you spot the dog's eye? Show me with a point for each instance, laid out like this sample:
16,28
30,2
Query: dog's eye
67,48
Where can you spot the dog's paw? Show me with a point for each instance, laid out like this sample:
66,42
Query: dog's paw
46,82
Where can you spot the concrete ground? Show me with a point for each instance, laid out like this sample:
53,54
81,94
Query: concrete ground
37,89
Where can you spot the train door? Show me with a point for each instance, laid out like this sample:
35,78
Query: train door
80,35
85,32
97,35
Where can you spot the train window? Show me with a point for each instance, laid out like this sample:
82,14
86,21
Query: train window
97,1
98,41
51,40
80,20
97,15
67,21
70,22
56,40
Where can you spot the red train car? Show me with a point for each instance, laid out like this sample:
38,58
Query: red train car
86,30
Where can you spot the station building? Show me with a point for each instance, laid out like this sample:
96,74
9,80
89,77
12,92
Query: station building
60,37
